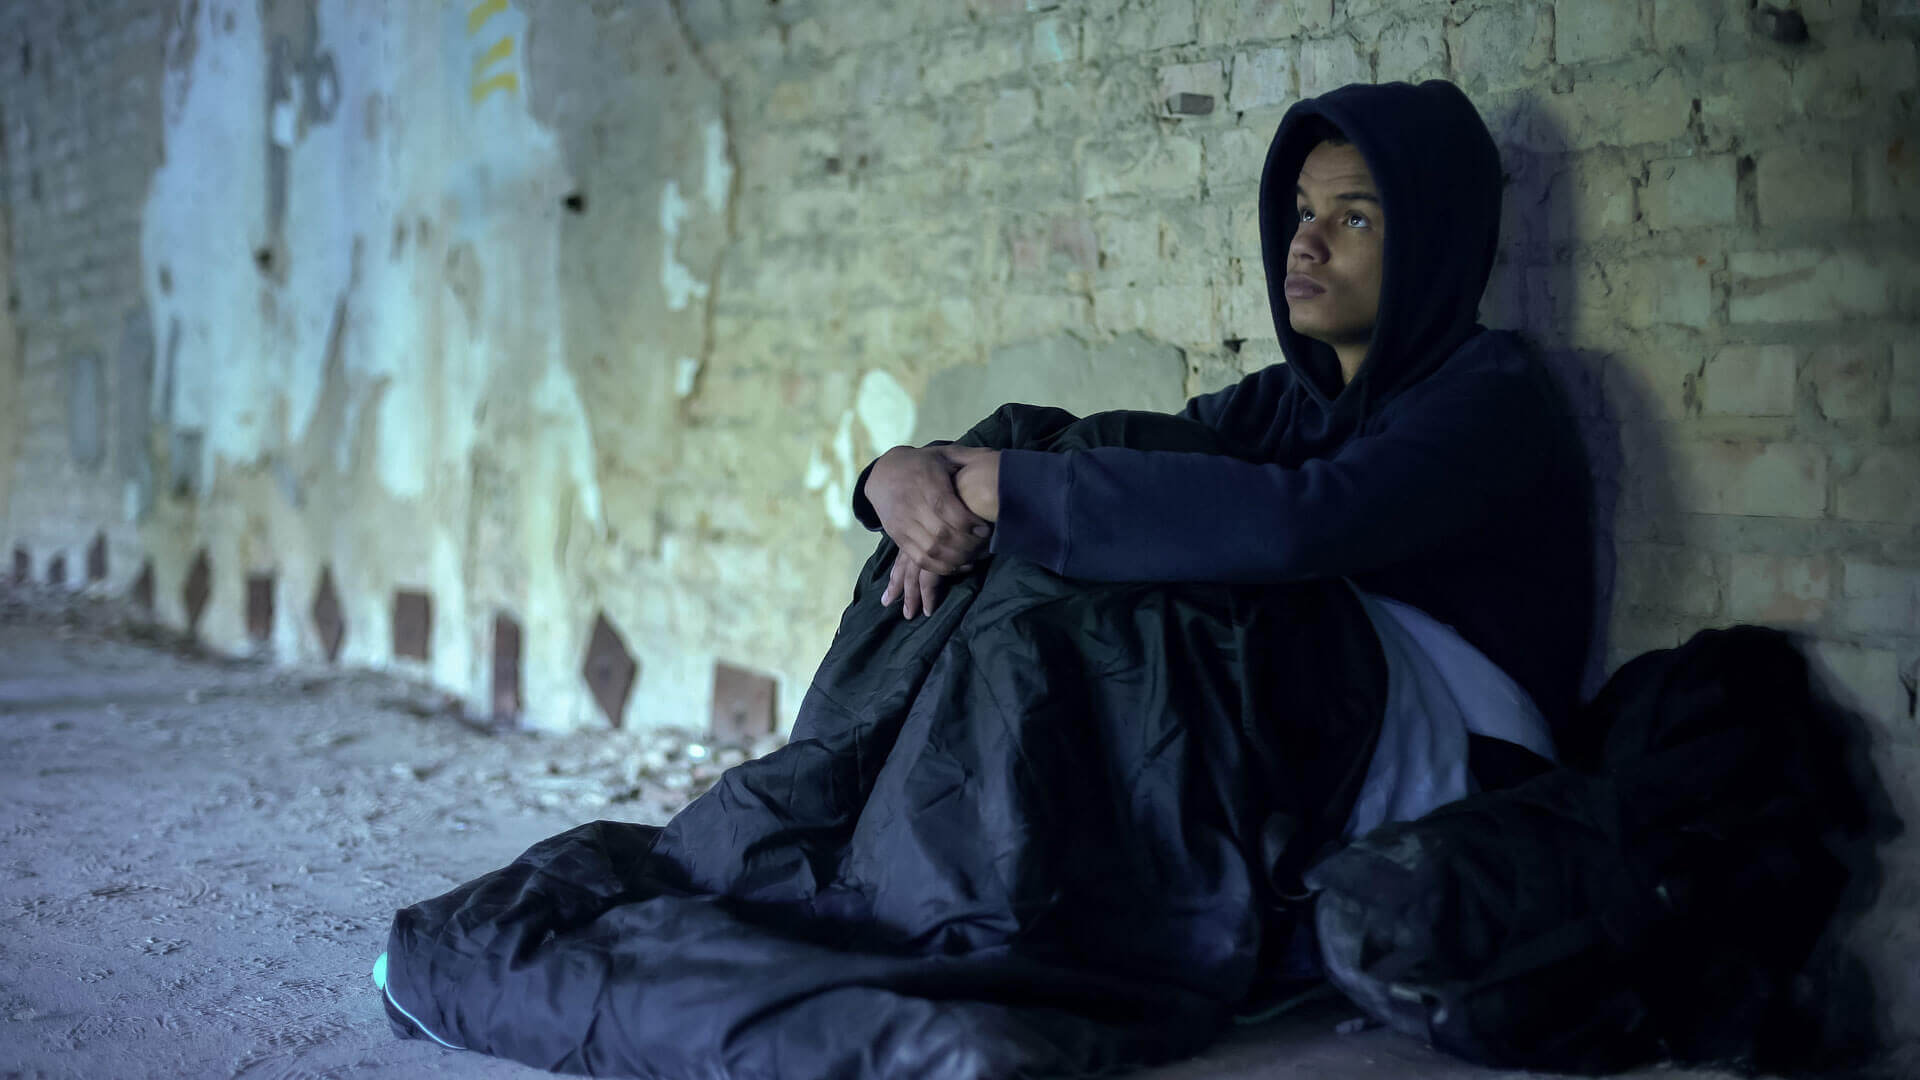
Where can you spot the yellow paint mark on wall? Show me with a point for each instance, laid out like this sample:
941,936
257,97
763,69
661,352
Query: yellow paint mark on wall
505,81
483,11
483,85
500,51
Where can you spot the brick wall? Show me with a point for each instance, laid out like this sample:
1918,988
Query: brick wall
1710,228
80,102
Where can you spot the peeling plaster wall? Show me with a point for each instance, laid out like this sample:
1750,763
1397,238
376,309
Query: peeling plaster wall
377,294
12,413
562,311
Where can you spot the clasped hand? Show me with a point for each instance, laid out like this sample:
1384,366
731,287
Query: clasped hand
939,505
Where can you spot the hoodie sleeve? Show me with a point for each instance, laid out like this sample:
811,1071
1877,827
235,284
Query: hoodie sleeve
1208,409
1438,468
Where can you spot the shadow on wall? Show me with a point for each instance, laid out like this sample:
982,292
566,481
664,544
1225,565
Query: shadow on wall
1834,1018
1540,284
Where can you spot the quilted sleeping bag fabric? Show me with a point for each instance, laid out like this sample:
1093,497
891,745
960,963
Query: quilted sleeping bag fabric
1055,828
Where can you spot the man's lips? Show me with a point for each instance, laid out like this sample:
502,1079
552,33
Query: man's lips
1300,286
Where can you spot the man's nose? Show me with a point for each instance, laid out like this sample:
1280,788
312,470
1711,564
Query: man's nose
1308,243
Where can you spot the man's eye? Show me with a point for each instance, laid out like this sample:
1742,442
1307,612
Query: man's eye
1352,214
1303,214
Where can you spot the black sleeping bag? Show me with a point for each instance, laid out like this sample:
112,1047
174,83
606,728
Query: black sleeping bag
1056,828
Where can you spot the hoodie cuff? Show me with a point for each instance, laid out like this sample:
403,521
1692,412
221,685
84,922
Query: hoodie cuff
1034,487
863,511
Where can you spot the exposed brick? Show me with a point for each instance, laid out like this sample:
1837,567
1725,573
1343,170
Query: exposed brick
1689,191
1807,285
1645,105
1585,31
1650,382
1893,180
1011,115
1880,599
1589,198
1056,40
1498,44
1829,11
1848,381
1330,63
1207,77
1262,78
1138,28
974,55
1675,292
1244,311
1749,380
1780,589
1858,79
1181,315
1234,157
1141,166
1743,476
1684,22
1412,51
1024,316
1904,387
1131,244
1672,579
1223,21
1885,486
1805,183
1273,20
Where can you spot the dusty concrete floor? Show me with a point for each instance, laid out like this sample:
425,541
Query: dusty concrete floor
198,861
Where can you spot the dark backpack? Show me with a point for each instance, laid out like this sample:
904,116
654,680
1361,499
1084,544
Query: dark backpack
1651,900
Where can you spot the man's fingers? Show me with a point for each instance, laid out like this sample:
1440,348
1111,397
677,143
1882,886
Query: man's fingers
957,456
946,552
896,579
939,557
951,512
930,586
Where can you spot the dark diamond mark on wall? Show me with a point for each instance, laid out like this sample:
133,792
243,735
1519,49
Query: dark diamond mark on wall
97,558
57,569
260,606
506,669
610,669
575,202
743,703
143,587
327,618
199,586
412,624
22,566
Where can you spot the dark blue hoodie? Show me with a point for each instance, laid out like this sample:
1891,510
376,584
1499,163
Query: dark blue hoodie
1446,475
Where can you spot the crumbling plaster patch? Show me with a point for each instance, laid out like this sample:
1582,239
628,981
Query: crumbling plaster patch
440,167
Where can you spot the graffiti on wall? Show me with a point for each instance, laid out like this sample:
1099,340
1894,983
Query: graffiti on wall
488,78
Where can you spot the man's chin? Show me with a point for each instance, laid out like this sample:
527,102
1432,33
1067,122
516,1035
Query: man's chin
1307,328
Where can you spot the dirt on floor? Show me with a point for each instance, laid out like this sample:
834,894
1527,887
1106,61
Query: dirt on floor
199,859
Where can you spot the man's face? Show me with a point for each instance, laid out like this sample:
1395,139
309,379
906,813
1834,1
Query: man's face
1338,247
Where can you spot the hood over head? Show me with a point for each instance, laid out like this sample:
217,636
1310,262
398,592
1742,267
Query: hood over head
1438,173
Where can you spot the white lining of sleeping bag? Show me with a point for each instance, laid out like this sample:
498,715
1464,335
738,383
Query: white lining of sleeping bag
1439,688
380,980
